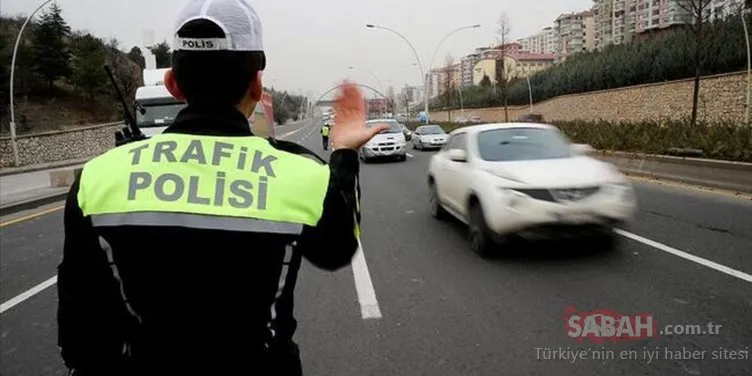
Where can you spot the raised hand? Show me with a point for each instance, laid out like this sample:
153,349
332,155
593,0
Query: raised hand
349,130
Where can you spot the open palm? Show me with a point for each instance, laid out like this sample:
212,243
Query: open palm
349,130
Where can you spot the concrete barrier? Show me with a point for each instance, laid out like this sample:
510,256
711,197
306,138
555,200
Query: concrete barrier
736,176
68,144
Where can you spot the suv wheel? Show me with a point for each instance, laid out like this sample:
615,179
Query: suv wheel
437,211
479,236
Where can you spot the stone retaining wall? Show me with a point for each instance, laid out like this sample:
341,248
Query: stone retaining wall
73,143
722,97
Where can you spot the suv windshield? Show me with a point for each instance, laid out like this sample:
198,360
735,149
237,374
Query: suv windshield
434,129
522,144
394,127
158,115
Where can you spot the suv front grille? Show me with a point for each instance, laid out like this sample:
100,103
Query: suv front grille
560,194
573,194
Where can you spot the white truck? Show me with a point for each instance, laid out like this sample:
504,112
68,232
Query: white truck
155,108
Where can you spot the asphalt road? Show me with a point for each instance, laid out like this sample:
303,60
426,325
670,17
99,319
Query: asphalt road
444,311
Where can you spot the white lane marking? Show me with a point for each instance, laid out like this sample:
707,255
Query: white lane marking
410,155
687,256
369,306
27,294
304,126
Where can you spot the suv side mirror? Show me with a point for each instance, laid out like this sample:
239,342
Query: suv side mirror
458,155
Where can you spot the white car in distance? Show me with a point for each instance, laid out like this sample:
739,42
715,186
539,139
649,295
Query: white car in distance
429,137
390,143
526,180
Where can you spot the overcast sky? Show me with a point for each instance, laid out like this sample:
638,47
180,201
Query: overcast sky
311,44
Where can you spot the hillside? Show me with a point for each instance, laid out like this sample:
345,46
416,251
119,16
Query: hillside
59,75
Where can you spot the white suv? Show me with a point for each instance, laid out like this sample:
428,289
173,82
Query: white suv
390,143
526,180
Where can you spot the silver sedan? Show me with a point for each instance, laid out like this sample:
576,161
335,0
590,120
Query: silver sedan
429,137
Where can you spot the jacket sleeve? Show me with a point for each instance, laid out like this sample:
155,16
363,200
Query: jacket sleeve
332,244
91,313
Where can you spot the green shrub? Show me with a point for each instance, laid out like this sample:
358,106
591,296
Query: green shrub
727,141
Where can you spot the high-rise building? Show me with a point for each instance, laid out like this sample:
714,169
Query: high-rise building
654,15
433,77
574,33
615,21
467,64
539,43
620,21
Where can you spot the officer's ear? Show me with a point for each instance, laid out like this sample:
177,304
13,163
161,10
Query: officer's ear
172,85
257,88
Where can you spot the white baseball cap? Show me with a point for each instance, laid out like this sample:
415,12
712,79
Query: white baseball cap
238,20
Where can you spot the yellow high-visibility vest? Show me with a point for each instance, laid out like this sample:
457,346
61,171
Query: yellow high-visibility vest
209,182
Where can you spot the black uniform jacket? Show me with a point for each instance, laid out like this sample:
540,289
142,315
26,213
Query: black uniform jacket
138,300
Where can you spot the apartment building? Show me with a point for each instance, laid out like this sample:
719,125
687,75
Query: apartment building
526,64
724,8
659,14
615,21
432,78
574,33
467,64
413,94
621,21
517,64
451,73
542,42
485,67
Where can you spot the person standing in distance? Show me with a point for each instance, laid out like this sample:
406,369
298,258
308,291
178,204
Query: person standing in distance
325,135
176,247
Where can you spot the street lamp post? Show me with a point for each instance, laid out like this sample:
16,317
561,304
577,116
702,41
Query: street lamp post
433,56
12,77
417,58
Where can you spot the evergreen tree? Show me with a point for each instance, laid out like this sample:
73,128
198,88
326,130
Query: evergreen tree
136,56
89,56
52,57
162,54
486,81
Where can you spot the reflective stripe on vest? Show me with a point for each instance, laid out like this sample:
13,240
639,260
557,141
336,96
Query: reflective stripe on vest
227,183
325,131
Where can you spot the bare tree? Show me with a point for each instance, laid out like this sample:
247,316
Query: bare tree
391,96
699,13
503,28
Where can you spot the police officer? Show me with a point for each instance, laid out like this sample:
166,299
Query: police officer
179,248
325,135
